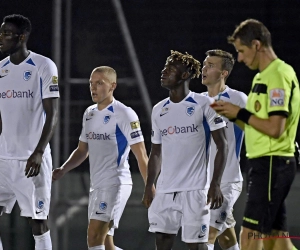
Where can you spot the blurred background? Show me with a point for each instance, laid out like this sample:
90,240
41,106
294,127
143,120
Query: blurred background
135,38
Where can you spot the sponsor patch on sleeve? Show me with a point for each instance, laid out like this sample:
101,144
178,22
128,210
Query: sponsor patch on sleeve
218,120
135,134
277,97
135,124
53,88
54,79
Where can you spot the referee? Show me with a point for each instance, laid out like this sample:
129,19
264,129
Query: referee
270,121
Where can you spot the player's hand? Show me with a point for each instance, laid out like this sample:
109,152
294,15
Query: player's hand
226,109
148,196
33,164
57,174
215,196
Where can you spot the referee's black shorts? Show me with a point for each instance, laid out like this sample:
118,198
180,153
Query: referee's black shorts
270,179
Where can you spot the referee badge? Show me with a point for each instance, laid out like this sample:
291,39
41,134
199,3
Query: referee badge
257,106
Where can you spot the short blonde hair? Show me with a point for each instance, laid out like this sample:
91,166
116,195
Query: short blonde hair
109,71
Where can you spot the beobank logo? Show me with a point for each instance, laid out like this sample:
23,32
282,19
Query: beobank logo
179,130
95,136
16,94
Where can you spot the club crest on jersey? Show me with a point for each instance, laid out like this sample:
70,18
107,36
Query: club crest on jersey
27,75
103,205
190,111
223,215
203,228
40,204
106,119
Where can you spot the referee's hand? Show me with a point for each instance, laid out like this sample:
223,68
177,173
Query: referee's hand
214,196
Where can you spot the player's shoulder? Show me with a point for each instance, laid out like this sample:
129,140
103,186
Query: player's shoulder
91,108
200,98
120,109
161,104
39,60
235,93
4,61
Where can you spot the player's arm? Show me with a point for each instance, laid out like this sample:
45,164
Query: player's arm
154,166
141,156
214,195
33,165
74,160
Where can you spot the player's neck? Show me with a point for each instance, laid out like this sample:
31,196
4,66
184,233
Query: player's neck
19,56
178,94
214,90
268,56
102,105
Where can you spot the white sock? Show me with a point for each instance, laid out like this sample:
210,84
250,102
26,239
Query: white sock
210,246
43,242
235,247
117,248
100,247
1,247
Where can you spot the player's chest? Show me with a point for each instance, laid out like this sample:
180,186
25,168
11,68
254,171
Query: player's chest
19,79
102,123
180,116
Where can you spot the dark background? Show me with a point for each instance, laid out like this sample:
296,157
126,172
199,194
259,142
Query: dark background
156,27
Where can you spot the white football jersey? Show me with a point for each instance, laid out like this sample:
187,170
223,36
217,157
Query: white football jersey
234,135
22,90
109,134
183,130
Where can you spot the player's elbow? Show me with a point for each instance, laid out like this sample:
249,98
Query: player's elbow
275,133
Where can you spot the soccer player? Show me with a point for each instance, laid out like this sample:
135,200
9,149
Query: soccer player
270,121
216,69
182,125
109,130
28,108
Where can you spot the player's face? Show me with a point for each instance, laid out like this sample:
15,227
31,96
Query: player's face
211,70
246,55
101,87
171,75
9,38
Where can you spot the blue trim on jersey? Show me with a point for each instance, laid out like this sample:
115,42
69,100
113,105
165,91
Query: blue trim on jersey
6,63
226,95
238,133
121,142
111,108
167,103
207,134
29,61
41,87
190,99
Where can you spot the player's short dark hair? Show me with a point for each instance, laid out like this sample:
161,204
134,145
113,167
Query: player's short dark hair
23,23
192,64
250,30
227,59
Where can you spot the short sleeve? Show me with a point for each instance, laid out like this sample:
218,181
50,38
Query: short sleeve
49,80
129,124
155,132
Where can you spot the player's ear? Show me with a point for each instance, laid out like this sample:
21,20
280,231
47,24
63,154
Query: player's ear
185,75
22,37
224,73
113,86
